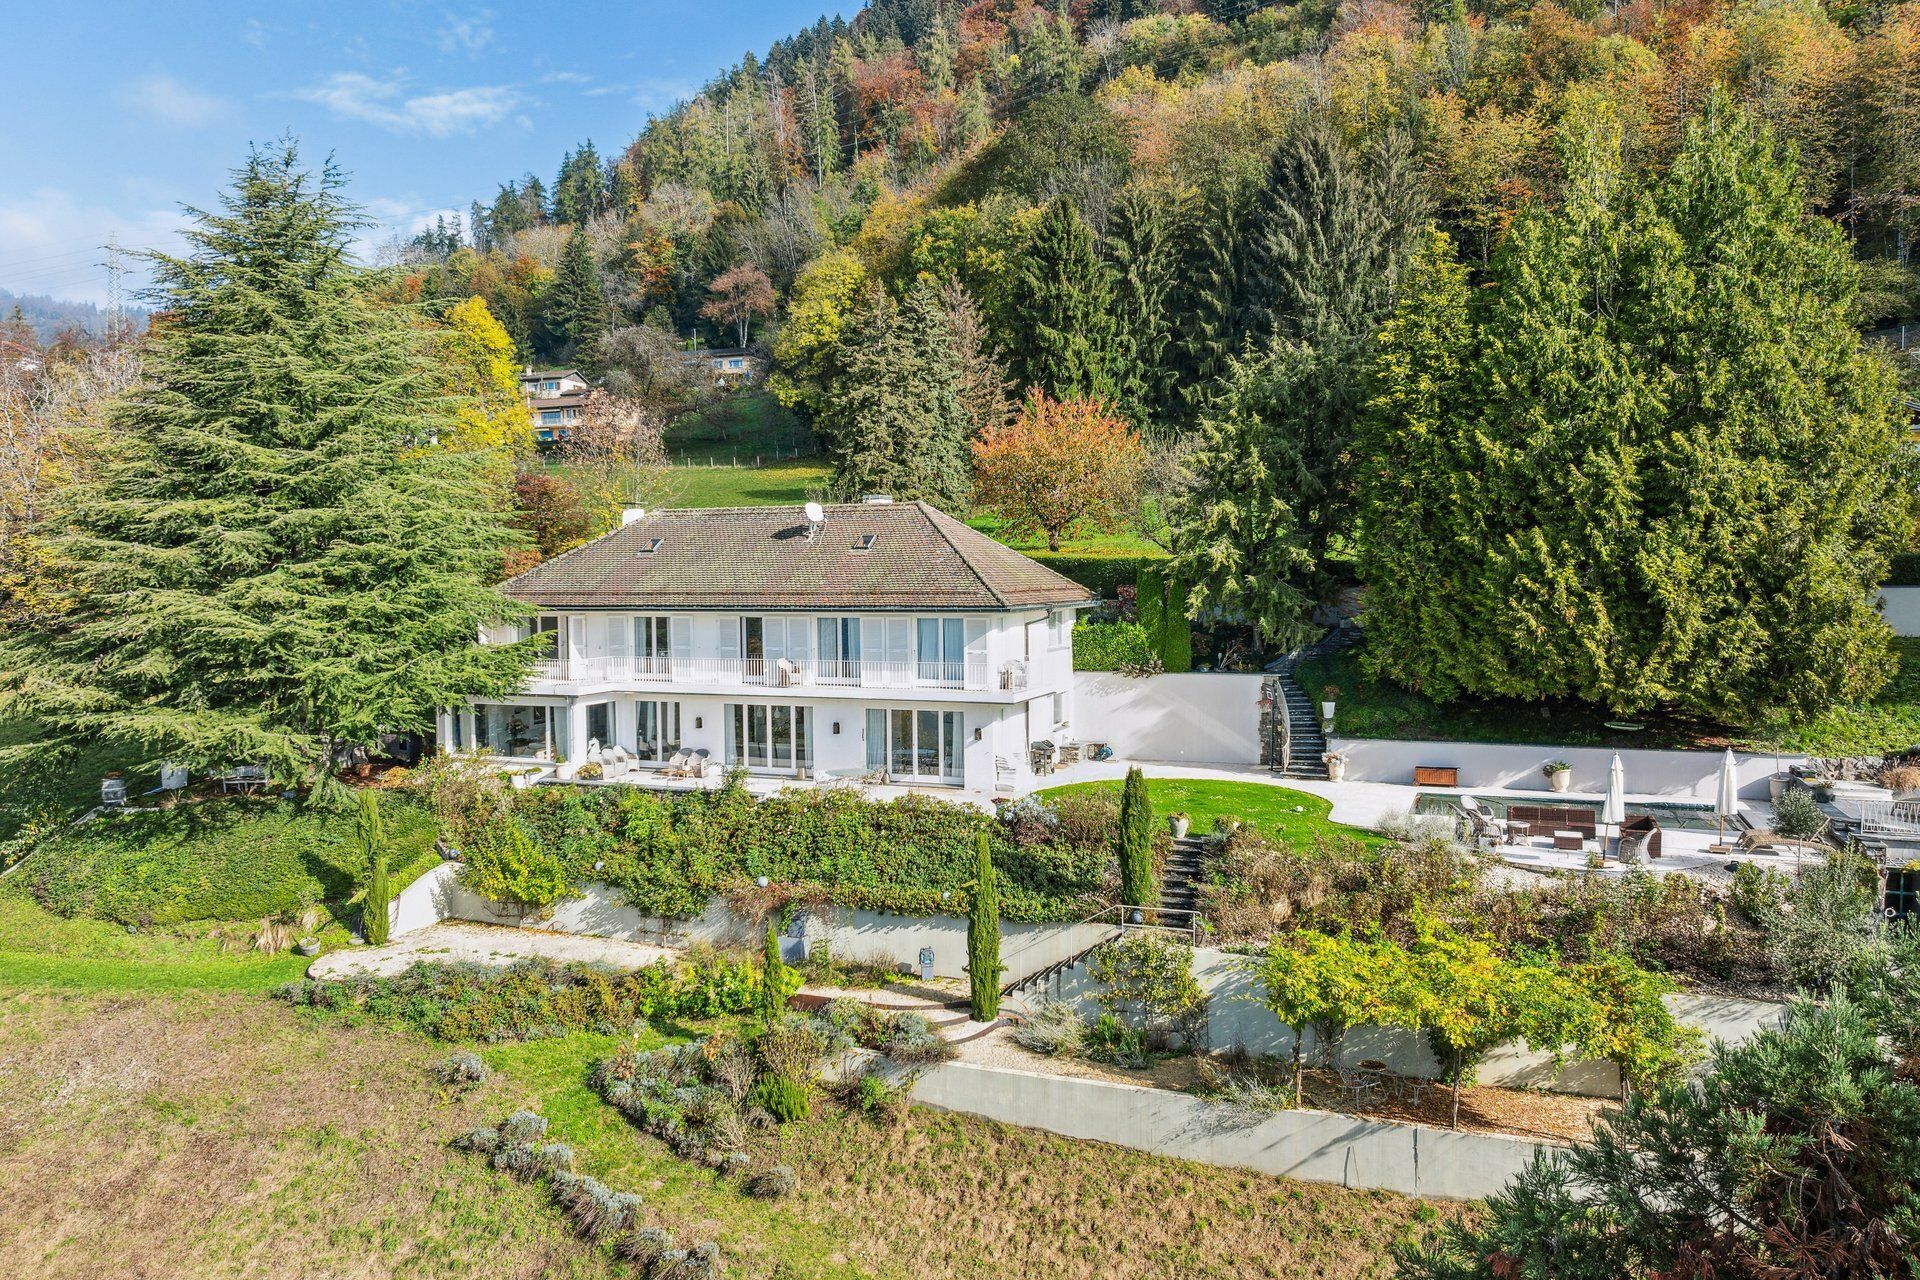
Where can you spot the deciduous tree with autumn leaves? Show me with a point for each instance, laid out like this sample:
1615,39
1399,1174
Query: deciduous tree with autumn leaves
1060,465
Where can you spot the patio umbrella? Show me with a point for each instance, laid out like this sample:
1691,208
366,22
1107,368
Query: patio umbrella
1613,810
1726,804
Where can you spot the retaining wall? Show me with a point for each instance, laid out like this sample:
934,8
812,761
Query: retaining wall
1683,775
1318,1146
1193,718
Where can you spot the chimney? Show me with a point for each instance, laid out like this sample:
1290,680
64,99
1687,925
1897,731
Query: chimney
629,514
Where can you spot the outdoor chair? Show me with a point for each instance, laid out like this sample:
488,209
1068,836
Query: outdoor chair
1362,1085
615,762
676,765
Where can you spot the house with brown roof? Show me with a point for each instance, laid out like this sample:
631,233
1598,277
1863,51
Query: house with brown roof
557,398
876,641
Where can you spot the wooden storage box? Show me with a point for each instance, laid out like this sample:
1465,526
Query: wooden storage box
1433,775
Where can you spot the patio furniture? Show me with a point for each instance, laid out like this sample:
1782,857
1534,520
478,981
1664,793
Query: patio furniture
1542,819
1363,1085
1042,756
1569,841
676,765
1519,832
1759,840
1408,1089
113,792
1644,829
1433,775
244,778
616,762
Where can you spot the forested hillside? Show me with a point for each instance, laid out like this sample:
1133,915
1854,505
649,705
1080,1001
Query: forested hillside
1175,234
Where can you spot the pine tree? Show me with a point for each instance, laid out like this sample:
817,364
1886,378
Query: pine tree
1210,298
268,567
895,419
577,314
983,936
1062,332
1143,238
1134,843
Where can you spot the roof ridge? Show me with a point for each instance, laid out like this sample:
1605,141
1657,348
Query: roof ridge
930,512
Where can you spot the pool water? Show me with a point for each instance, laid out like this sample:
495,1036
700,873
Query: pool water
1671,817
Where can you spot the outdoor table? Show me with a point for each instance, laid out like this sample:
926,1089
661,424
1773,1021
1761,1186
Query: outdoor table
1519,832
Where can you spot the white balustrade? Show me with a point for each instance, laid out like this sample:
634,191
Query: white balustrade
775,673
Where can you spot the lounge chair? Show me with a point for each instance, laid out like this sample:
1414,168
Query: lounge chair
615,762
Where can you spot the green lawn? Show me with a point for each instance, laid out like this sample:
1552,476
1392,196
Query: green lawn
776,484
737,427
1280,812
168,1120
1370,708
221,859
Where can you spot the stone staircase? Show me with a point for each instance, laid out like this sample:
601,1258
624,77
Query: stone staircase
1186,867
1302,707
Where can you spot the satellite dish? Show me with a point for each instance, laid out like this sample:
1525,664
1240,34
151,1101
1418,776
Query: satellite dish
815,512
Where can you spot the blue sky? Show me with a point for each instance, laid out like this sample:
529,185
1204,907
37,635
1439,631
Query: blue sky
120,112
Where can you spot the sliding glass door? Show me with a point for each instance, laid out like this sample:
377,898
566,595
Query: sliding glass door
657,730
769,737
916,746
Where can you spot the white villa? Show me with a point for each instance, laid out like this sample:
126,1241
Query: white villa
878,641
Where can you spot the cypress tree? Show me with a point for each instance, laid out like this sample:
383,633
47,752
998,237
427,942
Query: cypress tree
1138,886
778,979
267,566
1176,628
370,844
576,310
1062,332
983,936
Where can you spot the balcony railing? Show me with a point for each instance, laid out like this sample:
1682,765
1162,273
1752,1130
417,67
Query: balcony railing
786,673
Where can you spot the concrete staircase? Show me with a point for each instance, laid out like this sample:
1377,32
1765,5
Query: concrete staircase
1302,706
1186,867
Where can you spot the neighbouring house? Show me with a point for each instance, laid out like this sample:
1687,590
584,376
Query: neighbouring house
883,642
557,399
728,365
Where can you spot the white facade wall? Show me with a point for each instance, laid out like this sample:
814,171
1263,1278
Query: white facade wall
1900,606
1683,775
1194,718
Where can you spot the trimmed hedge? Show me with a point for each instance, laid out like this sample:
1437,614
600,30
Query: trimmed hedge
1101,573
227,859
1903,570
669,854
1108,646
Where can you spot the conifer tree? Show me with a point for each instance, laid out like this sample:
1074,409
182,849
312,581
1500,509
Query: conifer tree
983,935
1143,238
1134,841
895,421
268,566
1063,336
370,850
1663,471
577,314
778,979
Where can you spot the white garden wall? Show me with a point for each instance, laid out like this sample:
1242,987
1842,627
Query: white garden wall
1900,606
1200,718
1318,1146
1683,775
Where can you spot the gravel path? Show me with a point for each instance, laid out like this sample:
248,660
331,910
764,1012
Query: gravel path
497,945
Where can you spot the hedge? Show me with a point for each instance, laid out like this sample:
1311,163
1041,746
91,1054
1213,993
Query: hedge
1101,573
668,854
1903,570
224,859
1108,646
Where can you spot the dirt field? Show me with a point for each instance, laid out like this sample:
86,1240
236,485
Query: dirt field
216,1133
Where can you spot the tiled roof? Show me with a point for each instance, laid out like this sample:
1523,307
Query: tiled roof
730,558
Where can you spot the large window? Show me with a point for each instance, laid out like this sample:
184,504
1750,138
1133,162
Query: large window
943,650
600,723
524,733
657,735
916,746
769,737
653,644
839,644
768,645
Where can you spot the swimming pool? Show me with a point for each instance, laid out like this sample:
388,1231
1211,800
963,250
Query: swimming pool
1671,817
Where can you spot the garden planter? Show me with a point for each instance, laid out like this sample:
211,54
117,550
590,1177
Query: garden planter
1326,712
1336,769
308,946
1560,780
520,781
1776,784
1179,825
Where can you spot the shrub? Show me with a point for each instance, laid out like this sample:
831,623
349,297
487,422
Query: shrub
370,845
507,865
1797,815
1055,1029
1825,935
1102,573
462,1069
1147,982
1134,843
913,1042
874,1094
775,1183
791,1048
536,999
481,1138
644,1247
1758,893
523,1128
787,1101
1111,646
1111,1040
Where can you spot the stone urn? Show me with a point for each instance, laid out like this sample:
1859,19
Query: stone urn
1559,777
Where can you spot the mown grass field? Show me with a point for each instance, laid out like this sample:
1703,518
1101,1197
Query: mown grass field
1278,812
164,1118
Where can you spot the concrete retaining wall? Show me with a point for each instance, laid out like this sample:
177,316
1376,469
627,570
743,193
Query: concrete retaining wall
1318,1146
1900,606
1683,775
1199,718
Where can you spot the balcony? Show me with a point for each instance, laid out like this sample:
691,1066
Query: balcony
783,673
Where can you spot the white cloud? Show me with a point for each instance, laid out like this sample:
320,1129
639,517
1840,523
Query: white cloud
468,35
383,102
254,33
173,102
649,95
53,243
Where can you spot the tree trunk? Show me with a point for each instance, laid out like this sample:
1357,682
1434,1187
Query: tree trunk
1297,1033
1053,539
1457,1073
